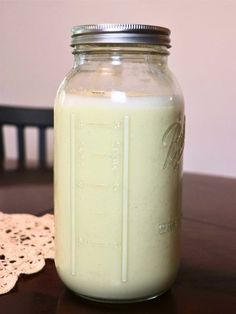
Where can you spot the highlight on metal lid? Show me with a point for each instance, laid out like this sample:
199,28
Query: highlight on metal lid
120,34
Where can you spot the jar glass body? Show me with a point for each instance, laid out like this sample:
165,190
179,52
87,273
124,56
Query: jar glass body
119,134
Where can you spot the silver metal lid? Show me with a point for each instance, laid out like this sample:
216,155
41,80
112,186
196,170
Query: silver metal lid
120,34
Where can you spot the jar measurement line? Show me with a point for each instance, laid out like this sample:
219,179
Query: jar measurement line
82,185
100,155
82,153
115,125
72,192
124,255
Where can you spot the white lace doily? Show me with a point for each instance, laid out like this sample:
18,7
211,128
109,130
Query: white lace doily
25,242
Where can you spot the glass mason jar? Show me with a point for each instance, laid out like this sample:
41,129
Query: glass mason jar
119,136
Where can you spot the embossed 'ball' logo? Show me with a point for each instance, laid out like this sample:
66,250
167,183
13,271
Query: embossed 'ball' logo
173,140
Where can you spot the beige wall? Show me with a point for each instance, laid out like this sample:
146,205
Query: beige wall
35,55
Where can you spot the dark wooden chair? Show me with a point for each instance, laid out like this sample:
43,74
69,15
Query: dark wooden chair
21,117
25,177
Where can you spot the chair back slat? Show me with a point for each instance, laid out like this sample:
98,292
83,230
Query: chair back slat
20,143
2,153
42,145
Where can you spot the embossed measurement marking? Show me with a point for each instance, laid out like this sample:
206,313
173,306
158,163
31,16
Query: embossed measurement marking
97,243
72,192
118,153
115,125
114,186
116,147
124,262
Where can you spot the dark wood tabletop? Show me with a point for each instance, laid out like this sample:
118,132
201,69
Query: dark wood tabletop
206,283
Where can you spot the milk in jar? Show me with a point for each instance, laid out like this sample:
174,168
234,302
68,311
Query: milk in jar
118,165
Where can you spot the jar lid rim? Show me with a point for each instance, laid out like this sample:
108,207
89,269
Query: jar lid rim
120,34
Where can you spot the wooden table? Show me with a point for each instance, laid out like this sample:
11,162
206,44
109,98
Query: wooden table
206,283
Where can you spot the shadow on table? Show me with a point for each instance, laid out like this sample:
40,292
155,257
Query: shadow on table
69,303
